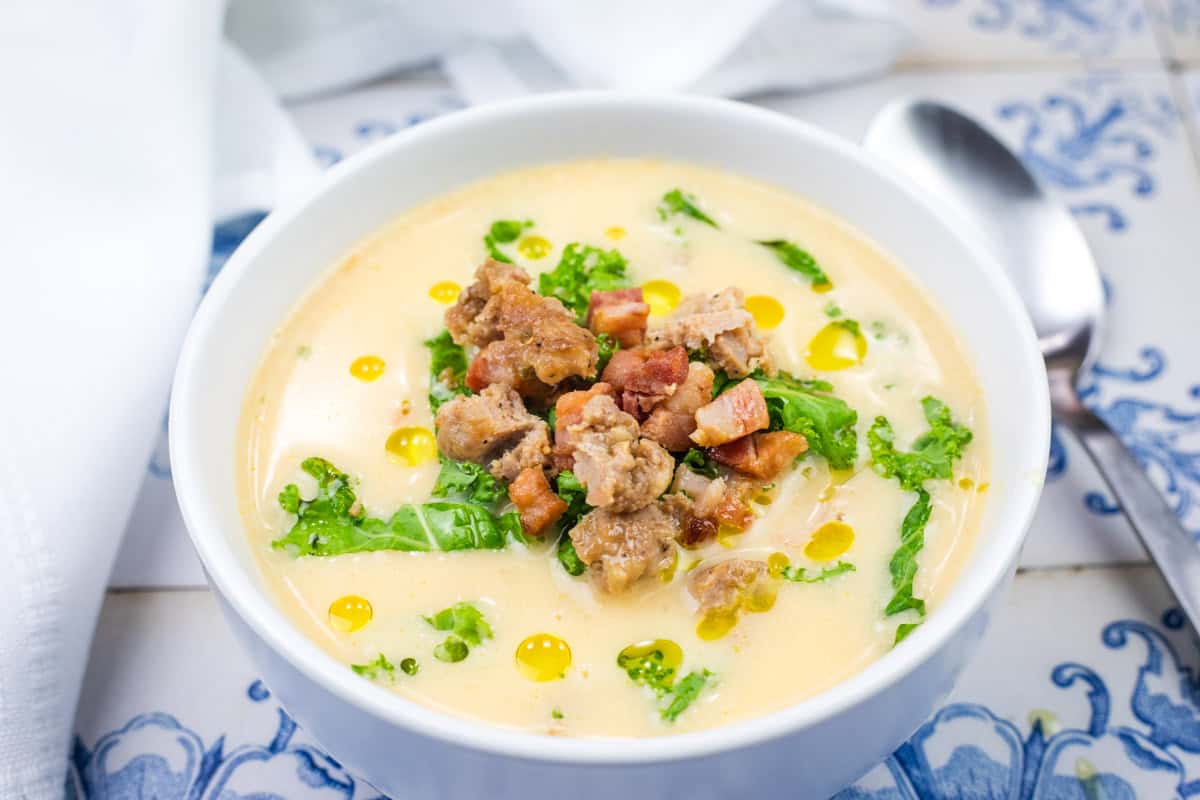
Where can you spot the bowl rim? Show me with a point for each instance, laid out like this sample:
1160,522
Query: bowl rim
257,610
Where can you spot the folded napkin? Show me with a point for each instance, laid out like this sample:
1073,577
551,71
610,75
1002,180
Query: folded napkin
113,174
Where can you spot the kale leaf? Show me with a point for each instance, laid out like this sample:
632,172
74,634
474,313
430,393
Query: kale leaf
651,670
797,260
574,495
676,202
606,346
583,269
807,407
447,369
699,462
467,627
932,457
372,670
469,482
334,523
802,575
504,231
685,692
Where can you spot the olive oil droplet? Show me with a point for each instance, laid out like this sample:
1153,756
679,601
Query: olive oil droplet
533,247
412,446
367,368
350,613
661,296
767,311
829,541
836,346
616,233
445,292
543,657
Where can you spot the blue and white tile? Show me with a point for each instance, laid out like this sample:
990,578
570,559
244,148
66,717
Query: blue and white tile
1112,146
1178,23
1025,31
1085,687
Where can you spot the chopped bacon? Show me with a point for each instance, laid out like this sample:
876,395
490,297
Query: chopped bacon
763,455
503,362
735,413
568,410
644,378
673,420
538,505
621,313
720,324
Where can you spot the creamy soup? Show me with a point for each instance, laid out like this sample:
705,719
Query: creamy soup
838,560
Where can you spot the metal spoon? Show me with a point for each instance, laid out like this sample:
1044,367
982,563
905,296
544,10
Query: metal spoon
1037,240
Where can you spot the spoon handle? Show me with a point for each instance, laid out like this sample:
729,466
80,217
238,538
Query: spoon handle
1173,549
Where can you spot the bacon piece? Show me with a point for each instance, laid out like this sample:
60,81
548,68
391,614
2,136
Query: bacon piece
733,510
763,455
722,586
538,505
644,378
504,363
737,412
568,410
621,313
672,421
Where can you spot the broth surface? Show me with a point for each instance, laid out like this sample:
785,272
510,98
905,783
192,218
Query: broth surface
377,301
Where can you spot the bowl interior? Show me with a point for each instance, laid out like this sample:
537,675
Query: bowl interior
295,245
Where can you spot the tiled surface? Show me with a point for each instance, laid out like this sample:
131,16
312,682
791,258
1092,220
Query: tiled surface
1080,89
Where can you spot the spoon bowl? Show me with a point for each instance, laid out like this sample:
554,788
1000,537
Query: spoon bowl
949,154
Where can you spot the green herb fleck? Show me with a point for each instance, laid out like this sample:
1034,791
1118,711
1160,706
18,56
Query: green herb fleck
802,575
334,523
878,329
833,310
649,669
932,457
373,670
409,666
903,630
699,462
567,556
504,231
447,369
452,650
556,714
676,202
797,260
686,691
582,270
807,407
303,351
606,346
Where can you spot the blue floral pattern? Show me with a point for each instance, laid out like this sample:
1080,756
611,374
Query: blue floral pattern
1085,27
1138,740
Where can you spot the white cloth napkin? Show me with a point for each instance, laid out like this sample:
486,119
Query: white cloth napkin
111,173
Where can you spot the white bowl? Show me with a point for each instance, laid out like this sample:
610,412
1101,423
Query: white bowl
806,750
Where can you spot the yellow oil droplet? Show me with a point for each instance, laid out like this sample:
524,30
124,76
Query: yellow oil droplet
367,368
533,247
672,653
661,296
836,346
829,541
761,596
445,292
616,233
767,311
349,613
727,535
412,446
715,624
983,487
776,564
837,477
823,287
966,483
668,573
543,657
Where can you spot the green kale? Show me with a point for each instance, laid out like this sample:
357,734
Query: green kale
468,482
650,670
699,462
409,666
582,270
467,627
378,668
686,691
463,620
447,369
606,346
575,496
932,457
802,575
798,260
807,407
556,714
833,310
504,231
334,523
676,202
721,380
903,630
567,556
452,650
